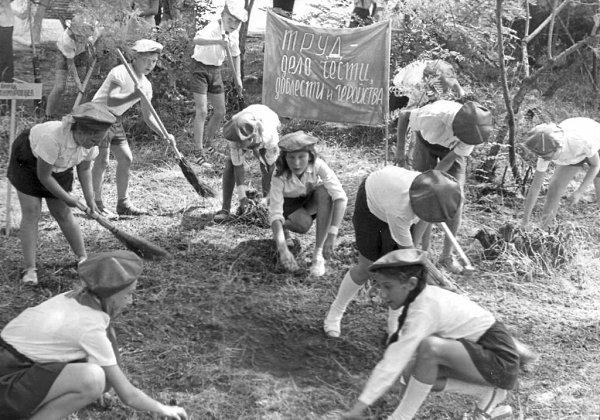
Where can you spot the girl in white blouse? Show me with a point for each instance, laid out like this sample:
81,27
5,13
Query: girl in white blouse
41,166
457,345
304,188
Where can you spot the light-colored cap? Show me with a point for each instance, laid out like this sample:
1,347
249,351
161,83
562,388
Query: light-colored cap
297,141
107,273
146,46
237,9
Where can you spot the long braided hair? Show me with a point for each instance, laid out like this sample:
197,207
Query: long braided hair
403,274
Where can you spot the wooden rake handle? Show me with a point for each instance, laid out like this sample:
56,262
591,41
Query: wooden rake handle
468,266
146,101
88,76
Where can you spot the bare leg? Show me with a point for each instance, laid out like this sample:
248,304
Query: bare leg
558,185
201,107
228,185
217,100
124,158
98,171
31,207
69,226
60,83
321,204
78,385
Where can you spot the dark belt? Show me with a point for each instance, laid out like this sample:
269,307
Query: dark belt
15,352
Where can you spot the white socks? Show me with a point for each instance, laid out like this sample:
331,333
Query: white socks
488,397
415,394
392,321
348,289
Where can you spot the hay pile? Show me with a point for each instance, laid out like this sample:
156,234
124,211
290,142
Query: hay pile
549,250
252,211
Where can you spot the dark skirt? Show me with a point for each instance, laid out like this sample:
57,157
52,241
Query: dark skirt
495,356
22,170
291,204
373,236
23,383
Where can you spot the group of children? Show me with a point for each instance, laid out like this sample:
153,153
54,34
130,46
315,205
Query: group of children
437,340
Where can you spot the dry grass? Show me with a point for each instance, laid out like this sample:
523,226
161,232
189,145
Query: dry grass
221,330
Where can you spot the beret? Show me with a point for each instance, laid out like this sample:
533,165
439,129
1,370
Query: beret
473,123
544,139
243,126
146,46
236,9
400,258
435,196
107,273
297,141
94,116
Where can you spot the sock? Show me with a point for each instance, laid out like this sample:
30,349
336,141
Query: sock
488,397
415,394
241,191
318,252
348,289
392,321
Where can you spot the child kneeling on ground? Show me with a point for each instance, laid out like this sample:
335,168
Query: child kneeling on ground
457,345
61,355
304,188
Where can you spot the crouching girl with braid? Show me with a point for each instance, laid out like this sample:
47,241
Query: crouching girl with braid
457,345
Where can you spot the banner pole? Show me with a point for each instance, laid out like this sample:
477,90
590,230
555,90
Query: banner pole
386,133
11,138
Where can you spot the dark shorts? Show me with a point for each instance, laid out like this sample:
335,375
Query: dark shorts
115,135
426,156
360,17
291,204
585,161
23,383
287,5
373,236
495,356
22,170
206,79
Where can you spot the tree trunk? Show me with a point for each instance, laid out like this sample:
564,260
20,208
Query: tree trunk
510,115
243,36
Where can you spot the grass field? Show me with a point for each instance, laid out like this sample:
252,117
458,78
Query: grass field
221,330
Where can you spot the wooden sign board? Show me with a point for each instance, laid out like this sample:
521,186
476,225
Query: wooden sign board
21,90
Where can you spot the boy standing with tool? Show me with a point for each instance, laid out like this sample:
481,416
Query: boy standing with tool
213,44
119,93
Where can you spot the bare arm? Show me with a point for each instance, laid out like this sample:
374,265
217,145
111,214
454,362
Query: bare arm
287,259
445,164
84,173
401,138
532,195
137,399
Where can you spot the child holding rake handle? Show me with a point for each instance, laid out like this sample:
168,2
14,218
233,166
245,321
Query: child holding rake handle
41,166
304,188
457,345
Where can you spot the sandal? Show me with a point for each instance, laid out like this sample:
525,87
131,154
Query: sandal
221,216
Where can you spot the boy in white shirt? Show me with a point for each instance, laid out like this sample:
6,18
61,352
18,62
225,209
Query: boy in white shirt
211,48
118,93
569,145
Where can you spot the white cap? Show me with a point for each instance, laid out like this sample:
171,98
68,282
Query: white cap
236,9
146,45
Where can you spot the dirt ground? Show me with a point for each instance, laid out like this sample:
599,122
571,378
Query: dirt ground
224,332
